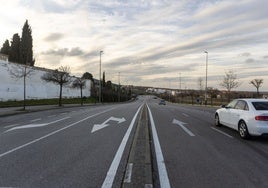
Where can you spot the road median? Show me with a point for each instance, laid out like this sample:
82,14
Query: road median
139,168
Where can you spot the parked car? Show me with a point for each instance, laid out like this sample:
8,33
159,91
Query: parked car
247,116
162,102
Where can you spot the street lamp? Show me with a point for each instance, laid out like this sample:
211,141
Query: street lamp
206,77
101,52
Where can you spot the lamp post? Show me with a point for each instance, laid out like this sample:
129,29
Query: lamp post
206,77
101,52
118,86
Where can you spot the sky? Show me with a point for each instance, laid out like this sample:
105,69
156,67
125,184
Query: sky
158,43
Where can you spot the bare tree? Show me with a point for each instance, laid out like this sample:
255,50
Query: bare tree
257,83
60,77
18,72
230,82
79,83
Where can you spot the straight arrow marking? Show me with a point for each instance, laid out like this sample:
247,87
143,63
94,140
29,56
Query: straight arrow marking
181,124
97,127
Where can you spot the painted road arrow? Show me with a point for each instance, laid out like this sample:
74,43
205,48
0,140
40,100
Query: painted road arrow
35,125
97,127
181,124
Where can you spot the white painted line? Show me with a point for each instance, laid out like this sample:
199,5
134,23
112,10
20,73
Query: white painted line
186,115
128,173
108,182
13,125
50,134
35,120
162,171
219,131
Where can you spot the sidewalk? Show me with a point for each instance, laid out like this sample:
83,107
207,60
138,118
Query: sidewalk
7,111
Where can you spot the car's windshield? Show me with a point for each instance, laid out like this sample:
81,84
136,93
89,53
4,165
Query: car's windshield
260,105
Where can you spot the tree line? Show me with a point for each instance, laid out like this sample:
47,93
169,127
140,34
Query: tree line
229,83
109,92
20,49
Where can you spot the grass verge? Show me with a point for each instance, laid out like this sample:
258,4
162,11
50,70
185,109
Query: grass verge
34,102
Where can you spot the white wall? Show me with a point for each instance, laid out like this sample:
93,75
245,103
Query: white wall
12,88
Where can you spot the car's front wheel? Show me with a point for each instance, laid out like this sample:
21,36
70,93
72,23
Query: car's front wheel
217,120
243,130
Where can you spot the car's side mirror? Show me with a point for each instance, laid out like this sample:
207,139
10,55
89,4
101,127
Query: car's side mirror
223,106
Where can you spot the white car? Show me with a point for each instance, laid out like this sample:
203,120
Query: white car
247,116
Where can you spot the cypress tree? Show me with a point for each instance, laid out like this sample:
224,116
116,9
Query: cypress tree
26,52
14,55
103,80
6,48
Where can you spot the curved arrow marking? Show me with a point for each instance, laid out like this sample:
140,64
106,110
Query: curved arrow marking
35,125
97,127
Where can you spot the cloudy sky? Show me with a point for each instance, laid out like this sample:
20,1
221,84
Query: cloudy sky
157,43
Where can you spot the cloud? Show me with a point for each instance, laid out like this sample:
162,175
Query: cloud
65,52
52,37
246,54
250,60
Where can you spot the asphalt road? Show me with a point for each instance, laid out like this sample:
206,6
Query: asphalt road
90,146
198,154
57,148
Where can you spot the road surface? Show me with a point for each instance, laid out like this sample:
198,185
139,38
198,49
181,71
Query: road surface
90,147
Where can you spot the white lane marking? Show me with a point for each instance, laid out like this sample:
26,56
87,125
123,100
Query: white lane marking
108,182
35,120
186,115
13,125
35,125
181,124
219,131
50,134
128,173
162,171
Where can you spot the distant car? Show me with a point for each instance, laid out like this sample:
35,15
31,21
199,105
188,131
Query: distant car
248,116
162,102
